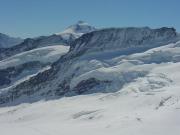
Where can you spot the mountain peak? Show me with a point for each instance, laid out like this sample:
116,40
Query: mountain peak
76,30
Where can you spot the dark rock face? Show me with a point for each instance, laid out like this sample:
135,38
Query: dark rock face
62,88
88,84
57,79
6,75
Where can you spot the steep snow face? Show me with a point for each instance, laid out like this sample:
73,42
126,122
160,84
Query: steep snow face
21,66
6,41
99,71
76,30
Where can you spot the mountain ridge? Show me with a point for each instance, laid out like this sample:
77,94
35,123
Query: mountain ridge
65,38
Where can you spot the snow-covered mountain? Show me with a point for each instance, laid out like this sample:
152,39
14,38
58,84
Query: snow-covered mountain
7,41
112,81
95,64
76,30
63,38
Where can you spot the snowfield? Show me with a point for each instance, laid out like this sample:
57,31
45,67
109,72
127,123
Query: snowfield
148,103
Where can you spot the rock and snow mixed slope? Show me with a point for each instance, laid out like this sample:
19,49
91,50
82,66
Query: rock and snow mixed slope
32,55
112,81
149,105
22,66
92,65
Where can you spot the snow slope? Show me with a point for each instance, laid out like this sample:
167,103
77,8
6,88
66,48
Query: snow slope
128,111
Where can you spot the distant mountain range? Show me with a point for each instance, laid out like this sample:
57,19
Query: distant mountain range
62,38
7,41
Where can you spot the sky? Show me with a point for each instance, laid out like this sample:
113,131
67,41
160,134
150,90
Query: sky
32,18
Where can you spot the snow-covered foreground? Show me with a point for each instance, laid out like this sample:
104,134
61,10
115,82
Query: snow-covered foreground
148,106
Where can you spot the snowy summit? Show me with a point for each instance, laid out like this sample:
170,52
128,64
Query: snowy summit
77,30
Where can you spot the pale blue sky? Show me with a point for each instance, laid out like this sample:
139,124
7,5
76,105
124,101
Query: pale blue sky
30,18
